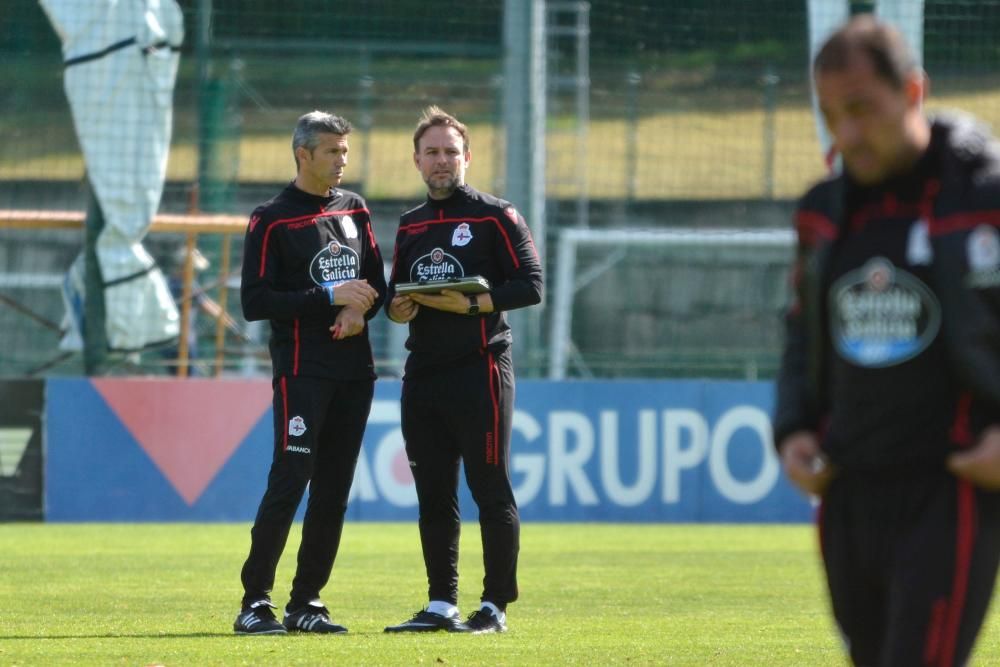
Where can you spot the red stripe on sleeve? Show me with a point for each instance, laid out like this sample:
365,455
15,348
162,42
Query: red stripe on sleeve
392,270
510,246
267,237
962,221
311,218
495,221
814,226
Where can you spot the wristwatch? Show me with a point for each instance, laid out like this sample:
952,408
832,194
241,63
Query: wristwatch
473,305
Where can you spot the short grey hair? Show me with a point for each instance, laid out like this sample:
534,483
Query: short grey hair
311,125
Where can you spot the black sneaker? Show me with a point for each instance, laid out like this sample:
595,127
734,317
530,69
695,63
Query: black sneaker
428,621
483,621
312,618
258,619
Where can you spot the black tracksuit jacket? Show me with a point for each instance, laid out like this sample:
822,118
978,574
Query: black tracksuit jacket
963,200
298,244
475,234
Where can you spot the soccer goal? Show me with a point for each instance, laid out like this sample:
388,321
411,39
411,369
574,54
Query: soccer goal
658,293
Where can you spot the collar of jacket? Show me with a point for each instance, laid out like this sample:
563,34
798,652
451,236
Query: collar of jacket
461,193
295,193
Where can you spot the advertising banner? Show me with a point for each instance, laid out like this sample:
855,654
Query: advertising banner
638,451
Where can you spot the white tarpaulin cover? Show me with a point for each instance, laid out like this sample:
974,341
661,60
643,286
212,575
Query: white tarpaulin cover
121,63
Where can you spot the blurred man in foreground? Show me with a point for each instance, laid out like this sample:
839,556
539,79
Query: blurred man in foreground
889,395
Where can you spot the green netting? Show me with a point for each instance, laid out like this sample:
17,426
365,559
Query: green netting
691,113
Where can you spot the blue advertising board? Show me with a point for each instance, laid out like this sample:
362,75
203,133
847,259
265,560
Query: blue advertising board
637,451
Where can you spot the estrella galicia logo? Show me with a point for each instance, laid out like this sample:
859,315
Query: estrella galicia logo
436,265
882,316
334,264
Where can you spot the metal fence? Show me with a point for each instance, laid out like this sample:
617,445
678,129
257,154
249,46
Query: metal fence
685,113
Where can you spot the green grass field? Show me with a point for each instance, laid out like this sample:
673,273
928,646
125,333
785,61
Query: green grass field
591,594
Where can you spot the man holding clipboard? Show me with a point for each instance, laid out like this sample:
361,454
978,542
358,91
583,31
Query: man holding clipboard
461,259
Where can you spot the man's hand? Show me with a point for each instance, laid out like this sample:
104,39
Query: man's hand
357,294
349,322
804,463
449,300
402,309
453,301
980,464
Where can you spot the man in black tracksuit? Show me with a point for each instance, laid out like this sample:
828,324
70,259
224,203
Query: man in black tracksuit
458,388
888,401
312,267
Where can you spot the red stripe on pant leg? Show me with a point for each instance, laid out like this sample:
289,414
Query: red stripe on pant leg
964,540
284,406
295,364
491,367
932,645
960,431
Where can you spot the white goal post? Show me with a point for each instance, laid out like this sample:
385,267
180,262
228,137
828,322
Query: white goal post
713,244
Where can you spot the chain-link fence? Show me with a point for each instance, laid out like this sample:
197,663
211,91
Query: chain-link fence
687,113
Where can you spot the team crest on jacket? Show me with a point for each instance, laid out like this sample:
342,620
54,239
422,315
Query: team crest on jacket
982,250
881,316
296,426
462,235
436,265
334,264
347,224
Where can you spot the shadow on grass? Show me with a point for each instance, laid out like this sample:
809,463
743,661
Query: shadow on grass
126,635
175,635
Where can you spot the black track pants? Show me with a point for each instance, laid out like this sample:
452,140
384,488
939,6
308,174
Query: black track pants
318,426
911,561
464,413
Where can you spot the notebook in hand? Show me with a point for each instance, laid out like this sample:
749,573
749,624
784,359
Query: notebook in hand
467,285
